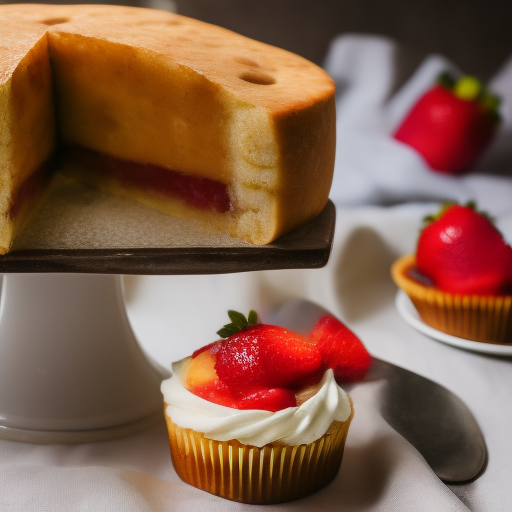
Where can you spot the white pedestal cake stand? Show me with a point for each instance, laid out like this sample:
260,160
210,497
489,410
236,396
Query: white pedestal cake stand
71,369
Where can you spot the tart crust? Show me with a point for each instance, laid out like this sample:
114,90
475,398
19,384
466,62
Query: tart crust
473,317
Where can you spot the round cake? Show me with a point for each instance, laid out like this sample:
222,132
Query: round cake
183,116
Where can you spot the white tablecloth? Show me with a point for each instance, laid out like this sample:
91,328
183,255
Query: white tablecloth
380,203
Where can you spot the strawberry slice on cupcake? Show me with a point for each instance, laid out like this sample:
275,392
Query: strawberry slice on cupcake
260,366
341,349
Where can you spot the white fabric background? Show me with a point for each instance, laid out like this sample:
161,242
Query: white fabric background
381,190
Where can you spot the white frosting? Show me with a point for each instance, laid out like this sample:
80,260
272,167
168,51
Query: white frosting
294,425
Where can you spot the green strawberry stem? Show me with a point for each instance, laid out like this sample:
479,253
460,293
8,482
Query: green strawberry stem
446,80
238,323
447,205
470,88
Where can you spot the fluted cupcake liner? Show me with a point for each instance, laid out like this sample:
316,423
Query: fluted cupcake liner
473,317
274,473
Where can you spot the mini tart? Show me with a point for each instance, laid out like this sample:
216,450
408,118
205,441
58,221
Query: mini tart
485,318
274,473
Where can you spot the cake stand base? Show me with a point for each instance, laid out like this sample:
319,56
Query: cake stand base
71,369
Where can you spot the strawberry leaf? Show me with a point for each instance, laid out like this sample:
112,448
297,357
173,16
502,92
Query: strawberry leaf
437,215
238,323
238,319
468,88
447,205
228,330
446,80
253,317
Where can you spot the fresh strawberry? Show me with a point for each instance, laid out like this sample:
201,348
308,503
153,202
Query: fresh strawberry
263,399
462,252
217,393
291,361
341,349
261,366
238,362
273,400
203,349
266,356
451,124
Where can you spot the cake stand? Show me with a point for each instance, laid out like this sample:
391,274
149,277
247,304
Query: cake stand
71,368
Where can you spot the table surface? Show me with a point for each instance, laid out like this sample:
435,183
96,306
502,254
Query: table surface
173,315
381,471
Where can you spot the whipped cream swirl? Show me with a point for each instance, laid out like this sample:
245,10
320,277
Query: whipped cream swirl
293,425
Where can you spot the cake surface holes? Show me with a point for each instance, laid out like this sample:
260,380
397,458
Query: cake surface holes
247,62
257,78
54,21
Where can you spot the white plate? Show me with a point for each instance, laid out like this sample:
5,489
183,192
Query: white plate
410,315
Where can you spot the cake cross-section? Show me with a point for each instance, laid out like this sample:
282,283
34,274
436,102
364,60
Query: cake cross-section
186,117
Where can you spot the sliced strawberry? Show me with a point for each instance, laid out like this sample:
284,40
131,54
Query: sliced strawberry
216,392
238,362
203,349
273,399
266,356
341,349
290,360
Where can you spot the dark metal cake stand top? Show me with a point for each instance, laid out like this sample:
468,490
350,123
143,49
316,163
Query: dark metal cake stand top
80,230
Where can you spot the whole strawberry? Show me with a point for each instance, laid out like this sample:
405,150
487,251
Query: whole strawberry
462,252
451,124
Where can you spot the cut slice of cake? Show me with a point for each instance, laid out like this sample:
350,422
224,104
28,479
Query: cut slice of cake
185,117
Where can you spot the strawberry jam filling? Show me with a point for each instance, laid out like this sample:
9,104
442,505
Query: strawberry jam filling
201,193
30,188
270,368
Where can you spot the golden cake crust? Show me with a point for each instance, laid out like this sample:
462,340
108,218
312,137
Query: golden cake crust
219,54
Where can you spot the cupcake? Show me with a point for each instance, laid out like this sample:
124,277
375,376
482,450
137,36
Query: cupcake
258,416
460,279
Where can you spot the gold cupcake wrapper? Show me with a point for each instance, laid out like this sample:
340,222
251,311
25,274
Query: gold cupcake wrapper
274,473
472,317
